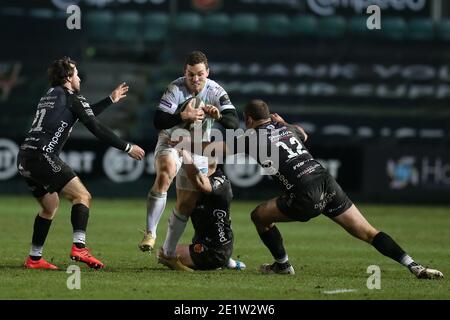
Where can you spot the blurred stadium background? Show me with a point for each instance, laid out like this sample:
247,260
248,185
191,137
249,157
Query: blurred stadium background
375,103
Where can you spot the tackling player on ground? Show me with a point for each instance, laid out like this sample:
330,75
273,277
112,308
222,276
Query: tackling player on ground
212,244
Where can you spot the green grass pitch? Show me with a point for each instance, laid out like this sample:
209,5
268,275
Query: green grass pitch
325,257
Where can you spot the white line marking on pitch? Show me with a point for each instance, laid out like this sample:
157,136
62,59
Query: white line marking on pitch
339,291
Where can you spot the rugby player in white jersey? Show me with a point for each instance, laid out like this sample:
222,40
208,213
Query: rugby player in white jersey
168,117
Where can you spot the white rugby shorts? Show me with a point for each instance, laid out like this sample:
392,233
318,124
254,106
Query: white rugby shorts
182,181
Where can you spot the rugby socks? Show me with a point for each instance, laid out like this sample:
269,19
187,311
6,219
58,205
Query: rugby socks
177,224
156,203
388,247
274,242
79,219
40,232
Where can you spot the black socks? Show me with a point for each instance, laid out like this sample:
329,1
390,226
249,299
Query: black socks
40,230
274,242
388,247
79,219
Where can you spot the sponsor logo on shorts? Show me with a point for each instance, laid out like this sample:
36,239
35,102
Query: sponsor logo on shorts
337,208
55,167
198,248
325,198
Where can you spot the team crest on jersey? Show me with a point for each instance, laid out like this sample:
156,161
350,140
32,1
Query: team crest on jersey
198,248
224,100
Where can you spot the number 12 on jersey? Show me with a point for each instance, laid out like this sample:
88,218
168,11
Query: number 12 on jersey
290,149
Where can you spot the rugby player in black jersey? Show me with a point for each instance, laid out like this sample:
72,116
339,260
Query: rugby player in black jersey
212,244
308,191
46,174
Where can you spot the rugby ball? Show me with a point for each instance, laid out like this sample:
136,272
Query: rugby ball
198,104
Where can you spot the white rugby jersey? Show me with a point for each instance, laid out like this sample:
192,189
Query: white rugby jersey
177,92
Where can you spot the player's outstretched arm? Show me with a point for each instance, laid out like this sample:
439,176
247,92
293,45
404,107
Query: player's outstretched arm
119,93
102,132
116,95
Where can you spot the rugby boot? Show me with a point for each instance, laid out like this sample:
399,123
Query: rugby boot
425,273
236,264
147,243
39,264
84,255
277,268
173,263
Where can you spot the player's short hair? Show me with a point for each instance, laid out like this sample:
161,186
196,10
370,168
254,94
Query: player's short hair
60,70
195,57
257,109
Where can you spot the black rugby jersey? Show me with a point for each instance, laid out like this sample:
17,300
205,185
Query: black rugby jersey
279,149
57,112
211,216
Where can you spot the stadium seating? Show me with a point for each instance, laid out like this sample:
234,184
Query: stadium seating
244,23
443,30
420,29
99,25
357,26
393,28
42,13
188,21
156,27
302,25
276,25
127,27
217,24
331,27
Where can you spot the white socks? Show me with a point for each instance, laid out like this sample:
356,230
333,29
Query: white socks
156,203
282,260
36,251
406,260
177,224
79,237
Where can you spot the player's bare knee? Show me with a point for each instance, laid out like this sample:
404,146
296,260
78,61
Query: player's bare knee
87,198
48,214
185,208
363,234
84,198
257,217
163,181
49,207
